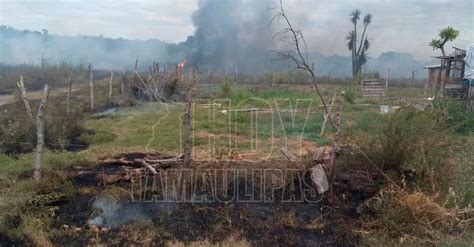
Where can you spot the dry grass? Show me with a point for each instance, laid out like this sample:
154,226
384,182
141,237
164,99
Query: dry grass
414,217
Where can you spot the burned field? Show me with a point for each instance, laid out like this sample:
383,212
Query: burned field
101,210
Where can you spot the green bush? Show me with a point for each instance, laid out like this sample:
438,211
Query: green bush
226,89
350,95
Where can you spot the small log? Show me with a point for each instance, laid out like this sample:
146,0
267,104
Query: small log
153,162
21,88
166,161
148,166
287,154
121,161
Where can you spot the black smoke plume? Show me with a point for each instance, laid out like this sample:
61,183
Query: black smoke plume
231,35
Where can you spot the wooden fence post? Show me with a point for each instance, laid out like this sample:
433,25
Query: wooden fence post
69,91
336,147
187,142
38,168
21,88
338,121
110,84
91,85
273,80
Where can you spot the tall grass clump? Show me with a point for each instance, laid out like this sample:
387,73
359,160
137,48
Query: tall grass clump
420,155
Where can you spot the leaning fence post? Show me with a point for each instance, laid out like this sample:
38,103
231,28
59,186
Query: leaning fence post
326,115
91,85
21,88
38,168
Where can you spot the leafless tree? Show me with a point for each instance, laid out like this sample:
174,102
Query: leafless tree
153,84
298,50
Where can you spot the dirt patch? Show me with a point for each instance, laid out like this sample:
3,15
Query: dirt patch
267,149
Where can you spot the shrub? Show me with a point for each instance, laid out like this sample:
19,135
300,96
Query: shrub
62,130
226,89
350,95
417,150
411,140
18,133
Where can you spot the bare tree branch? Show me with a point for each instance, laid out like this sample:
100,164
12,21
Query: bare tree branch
296,39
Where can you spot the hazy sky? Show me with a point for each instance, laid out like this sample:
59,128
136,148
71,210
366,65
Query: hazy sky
398,25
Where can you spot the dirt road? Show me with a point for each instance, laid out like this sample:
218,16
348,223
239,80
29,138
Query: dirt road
35,95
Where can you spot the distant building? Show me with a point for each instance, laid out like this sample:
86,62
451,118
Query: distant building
448,74
454,76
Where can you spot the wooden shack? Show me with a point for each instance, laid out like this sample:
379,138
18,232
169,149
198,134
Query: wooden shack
448,75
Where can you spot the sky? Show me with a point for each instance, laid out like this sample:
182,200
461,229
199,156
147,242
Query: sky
398,25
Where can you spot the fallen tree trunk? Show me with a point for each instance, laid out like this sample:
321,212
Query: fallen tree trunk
287,154
155,163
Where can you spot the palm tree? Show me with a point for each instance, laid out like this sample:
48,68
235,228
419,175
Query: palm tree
359,56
